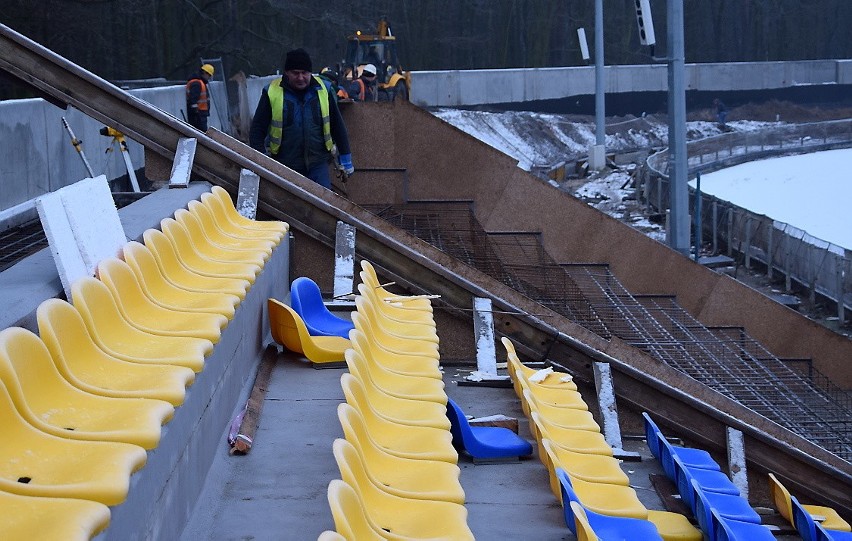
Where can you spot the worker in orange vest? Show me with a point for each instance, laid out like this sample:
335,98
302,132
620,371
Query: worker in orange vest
198,98
364,87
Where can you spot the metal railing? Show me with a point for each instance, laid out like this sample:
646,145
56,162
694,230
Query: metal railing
819,266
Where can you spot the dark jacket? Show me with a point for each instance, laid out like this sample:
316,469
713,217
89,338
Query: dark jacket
302,143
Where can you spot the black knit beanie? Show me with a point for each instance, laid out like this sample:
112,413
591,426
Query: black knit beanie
297,59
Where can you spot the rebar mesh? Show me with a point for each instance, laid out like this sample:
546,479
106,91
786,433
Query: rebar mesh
792,394
19,242
738,366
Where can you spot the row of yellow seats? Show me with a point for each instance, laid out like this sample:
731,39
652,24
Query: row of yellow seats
568,437
399,468
83,402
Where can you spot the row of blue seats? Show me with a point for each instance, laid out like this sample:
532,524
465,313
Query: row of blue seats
82,402
715,501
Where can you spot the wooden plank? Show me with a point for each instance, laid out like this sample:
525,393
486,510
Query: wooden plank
241,440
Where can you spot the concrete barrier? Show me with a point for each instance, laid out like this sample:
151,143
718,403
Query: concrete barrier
482,87
36,152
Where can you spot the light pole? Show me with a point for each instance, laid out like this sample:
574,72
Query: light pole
597,153
678,234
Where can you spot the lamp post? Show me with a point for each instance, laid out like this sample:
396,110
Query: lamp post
678,234
597,153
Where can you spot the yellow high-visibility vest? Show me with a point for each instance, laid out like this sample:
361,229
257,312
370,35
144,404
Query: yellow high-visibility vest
276,126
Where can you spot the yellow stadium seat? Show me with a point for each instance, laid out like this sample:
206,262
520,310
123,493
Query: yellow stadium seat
566,418
290,331
402,516
417,442
120,339
162,247
51,404
406,477
224,227
34,463
190,253
50,519
167,294
347,509
396,313
87,367
407,326
591,468
396,410
826,516
394,344
188,230
148,316
230,212
179,274
215,237
578,441
371,280
394,384
406,365
554,380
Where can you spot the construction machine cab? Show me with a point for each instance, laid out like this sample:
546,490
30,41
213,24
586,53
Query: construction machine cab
378,49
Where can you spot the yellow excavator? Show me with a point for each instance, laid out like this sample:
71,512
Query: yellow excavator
378,49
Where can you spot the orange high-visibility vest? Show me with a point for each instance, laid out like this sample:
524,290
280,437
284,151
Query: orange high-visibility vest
202,98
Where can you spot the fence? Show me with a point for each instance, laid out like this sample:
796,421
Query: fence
782,249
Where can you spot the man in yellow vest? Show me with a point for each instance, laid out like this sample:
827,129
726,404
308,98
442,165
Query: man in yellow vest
298,123
198,98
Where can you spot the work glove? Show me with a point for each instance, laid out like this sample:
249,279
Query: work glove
346,163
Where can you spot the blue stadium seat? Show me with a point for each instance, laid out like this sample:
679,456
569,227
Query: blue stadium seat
727,507
691,458
604,526
484,442
306,300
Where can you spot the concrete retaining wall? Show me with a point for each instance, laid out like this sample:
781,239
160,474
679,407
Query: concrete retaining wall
36,155
444,163
481,87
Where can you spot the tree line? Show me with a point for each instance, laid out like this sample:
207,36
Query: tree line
140,39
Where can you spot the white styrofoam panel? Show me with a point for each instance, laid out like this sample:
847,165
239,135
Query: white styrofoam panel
94,220
60,237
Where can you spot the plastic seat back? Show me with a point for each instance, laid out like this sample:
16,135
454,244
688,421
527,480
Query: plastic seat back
306,299
347,509
582,529
568,497
702,510
651,435
781,497
803,521
486,442
289,330
180,274
201,256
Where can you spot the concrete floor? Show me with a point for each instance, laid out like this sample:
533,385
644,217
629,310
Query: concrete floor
278,490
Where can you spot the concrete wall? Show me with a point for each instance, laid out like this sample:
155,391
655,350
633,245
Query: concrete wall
480,87
444,163
36,155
